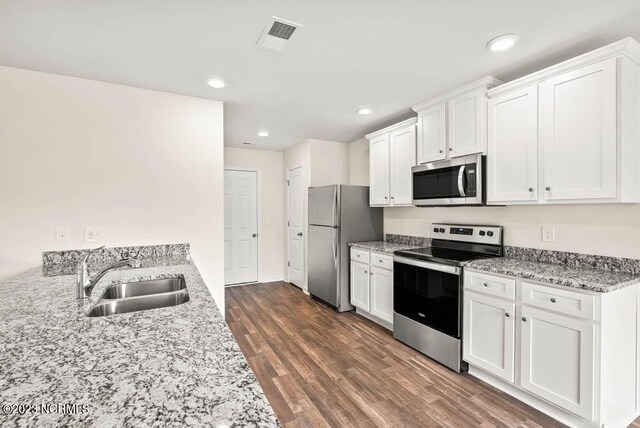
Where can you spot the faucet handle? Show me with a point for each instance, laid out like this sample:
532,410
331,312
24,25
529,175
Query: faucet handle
86,258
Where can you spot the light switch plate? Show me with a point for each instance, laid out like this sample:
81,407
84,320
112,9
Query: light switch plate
62,235
548,234
93,234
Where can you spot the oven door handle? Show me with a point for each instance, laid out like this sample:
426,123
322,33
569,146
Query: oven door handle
428,265
461,180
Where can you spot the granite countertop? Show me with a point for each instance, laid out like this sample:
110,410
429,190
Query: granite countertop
164,367
583,278
381,246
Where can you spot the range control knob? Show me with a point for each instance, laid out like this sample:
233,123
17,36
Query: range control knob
489,233
481,233
435,229
441,230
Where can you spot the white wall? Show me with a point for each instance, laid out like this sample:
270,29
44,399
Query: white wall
359,162
145,165
329,163
609,229
270,165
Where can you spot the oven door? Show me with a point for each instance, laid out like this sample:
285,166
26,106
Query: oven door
428,293
453,182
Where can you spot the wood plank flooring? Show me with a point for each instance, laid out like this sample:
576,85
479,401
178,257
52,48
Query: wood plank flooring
320,368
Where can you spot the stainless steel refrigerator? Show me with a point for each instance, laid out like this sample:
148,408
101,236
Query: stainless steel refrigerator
338,215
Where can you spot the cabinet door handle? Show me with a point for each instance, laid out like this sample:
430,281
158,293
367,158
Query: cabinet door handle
524,319
485,284
548,189
371,273
531,189
366,271
450,149
392,197
386,197
507,314
441,151
553,300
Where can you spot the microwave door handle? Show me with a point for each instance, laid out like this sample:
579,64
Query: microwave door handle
461,181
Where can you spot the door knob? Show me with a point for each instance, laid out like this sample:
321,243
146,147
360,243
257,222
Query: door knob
254,234
299,233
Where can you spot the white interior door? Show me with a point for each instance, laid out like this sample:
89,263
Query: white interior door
240,226
295,229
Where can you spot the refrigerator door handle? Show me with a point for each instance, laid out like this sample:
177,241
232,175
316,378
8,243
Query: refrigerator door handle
335,206
334,246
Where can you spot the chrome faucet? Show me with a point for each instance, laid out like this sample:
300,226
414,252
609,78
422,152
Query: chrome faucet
86,284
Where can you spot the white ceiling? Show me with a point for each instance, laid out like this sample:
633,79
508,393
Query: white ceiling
387,55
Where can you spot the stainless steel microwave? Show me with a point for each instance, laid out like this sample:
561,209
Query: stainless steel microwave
458,181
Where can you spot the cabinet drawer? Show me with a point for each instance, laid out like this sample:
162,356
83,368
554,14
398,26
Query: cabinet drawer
380,260
563,301
360,255
489,284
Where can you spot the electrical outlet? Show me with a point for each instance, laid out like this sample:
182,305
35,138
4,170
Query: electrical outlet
403,225
93,234
62,235
548,234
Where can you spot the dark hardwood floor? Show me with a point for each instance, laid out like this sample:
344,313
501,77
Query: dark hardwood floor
320,368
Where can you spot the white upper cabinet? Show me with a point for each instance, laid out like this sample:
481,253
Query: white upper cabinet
432,127
402,148
466,123
379,165
578,131
453,124
392,154
512,166
584,128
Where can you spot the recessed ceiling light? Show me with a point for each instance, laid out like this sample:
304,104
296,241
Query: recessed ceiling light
364,111
216,83
503,42
263,134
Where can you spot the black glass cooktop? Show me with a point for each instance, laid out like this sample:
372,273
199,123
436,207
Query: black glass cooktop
442,255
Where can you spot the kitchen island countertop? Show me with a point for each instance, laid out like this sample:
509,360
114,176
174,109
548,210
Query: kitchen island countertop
171,366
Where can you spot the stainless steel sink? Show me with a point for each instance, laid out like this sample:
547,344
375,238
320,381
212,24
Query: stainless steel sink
143,288
140,296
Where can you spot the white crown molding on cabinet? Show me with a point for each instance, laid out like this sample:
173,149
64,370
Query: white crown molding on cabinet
403,124
628,48
485,82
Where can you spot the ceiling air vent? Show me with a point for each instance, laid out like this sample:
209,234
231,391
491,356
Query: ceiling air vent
246,143
276,34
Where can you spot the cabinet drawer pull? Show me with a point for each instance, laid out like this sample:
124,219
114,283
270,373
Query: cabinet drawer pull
485,284
553,300
524,319
507,314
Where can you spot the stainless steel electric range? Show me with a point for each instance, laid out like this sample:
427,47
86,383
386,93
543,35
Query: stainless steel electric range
427,289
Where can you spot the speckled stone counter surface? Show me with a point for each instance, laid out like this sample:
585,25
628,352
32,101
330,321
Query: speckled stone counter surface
173,366
381,246
575,277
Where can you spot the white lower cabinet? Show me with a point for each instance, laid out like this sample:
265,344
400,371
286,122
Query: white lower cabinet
489,334
372,286
360,285
382,293
570,354
557,359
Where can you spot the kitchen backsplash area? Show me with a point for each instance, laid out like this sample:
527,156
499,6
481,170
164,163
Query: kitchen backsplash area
65,262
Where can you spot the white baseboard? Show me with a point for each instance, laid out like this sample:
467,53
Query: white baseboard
536,403
271,279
